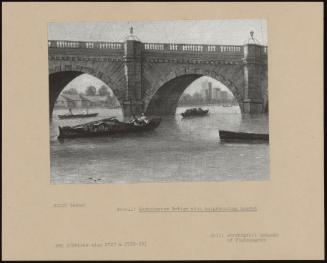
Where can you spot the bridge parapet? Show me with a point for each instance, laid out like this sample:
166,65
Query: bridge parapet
192,48
141,72
83,44
255,52
156,47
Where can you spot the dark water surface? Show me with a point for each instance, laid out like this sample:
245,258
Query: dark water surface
178,150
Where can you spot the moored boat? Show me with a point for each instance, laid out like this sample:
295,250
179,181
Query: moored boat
74,116
106,127
242,136
194,112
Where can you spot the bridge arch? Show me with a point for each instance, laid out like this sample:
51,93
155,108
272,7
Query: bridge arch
60,77
163,97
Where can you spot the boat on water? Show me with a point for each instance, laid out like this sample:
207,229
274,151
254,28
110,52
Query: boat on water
242,136
106,127
194,112
75,116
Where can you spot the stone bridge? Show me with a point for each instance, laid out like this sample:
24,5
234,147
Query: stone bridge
151,77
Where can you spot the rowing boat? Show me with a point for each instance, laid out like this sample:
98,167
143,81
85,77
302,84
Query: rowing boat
194,112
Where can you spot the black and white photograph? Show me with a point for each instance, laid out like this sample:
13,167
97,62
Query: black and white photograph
163,131
158,101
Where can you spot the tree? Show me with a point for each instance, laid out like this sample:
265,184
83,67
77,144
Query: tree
90,91
185,99
197,98
103,91
70,91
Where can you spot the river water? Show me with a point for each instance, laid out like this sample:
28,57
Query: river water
178,150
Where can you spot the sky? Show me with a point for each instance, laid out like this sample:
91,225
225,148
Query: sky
220,32
224,32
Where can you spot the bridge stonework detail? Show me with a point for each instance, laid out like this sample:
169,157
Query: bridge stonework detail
150,77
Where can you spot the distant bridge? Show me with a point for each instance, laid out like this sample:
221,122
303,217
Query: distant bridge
151,77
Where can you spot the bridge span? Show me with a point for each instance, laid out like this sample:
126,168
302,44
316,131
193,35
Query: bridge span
151,77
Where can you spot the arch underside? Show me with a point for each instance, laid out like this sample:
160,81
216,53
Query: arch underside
165,100
57,82
61,72
164,84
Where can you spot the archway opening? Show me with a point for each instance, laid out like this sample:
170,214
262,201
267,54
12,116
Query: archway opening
81,92
208,92
75,92
197,91
193,90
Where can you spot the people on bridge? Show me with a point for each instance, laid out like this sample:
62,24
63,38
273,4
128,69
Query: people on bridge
70,111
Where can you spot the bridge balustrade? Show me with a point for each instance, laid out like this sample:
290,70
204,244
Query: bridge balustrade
231,49
89,45
64,44
154,47
211,48
193,48
114,45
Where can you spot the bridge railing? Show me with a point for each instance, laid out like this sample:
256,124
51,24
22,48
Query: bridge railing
90,45
153,47
193,48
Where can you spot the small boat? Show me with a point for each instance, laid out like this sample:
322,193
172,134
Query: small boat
242,136
227,105
75,116
194,112
106,127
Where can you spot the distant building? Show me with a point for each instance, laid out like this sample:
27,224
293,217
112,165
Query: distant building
209,98
204,87
206,90
224,96
216,93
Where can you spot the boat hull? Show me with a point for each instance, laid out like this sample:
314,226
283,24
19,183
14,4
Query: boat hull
75,116
195,114
104,129
242,136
